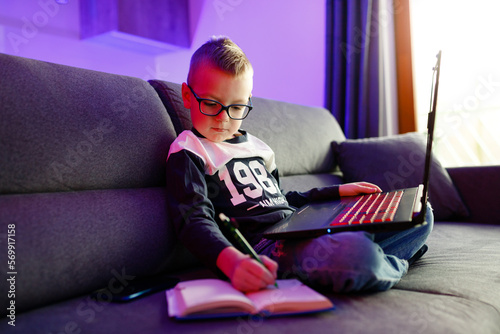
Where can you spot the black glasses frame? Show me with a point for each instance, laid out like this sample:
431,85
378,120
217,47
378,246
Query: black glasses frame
223,107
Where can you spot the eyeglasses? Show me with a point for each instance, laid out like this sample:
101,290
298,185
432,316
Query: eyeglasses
210,107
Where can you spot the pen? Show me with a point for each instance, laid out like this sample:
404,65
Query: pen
228,223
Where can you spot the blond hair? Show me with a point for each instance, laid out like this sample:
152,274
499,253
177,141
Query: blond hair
222,53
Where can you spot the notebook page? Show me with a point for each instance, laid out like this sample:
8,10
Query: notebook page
291,296
209,296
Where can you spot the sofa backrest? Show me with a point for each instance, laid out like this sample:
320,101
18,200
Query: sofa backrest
64,128
300,136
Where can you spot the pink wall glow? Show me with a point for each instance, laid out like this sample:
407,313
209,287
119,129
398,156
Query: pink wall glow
284,39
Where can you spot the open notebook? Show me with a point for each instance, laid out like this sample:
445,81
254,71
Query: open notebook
215,298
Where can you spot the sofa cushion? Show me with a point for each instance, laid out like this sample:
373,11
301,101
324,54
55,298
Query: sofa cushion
391,312
396,162
478,186
71,243
301,146
170,95
70,129
462,262
453,288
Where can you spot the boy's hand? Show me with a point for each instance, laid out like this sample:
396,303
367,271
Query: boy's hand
245,273
357,188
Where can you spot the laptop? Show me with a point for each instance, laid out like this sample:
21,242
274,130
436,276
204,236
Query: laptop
381,212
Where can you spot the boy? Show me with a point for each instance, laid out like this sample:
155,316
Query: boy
217,167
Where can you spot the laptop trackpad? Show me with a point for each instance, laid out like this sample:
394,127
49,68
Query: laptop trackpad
317,214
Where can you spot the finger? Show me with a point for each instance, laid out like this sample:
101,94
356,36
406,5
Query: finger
373,186
369,187
260,274
247,281
271,265
244,280
246,285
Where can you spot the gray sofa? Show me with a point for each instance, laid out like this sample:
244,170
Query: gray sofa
82,206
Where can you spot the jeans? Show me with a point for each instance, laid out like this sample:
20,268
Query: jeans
349,261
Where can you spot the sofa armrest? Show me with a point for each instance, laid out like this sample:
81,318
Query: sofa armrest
479,187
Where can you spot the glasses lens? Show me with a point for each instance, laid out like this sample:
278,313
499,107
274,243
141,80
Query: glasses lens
238,111
209,107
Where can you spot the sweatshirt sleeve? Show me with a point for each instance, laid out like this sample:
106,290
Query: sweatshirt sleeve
190,210
298,199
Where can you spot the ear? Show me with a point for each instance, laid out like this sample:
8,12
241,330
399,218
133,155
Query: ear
186,95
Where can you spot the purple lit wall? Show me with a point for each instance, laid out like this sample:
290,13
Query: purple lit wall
284,40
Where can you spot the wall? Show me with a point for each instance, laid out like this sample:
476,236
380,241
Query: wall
284,40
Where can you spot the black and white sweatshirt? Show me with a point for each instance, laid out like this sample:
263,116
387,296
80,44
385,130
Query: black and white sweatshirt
237,177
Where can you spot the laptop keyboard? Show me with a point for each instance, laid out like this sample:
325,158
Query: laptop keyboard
371,208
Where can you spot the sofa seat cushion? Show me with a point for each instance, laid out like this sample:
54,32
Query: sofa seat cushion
391,312
463,261
397,162
71,243
442,293
72,129
272,121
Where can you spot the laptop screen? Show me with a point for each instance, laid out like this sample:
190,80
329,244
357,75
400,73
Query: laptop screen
431,120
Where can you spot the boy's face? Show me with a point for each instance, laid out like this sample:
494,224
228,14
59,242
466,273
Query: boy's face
210,82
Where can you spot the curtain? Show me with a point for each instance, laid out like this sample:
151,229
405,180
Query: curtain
361,90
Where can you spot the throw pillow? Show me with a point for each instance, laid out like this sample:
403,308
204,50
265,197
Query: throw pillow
396,162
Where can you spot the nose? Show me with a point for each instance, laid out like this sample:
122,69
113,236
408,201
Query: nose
223,116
